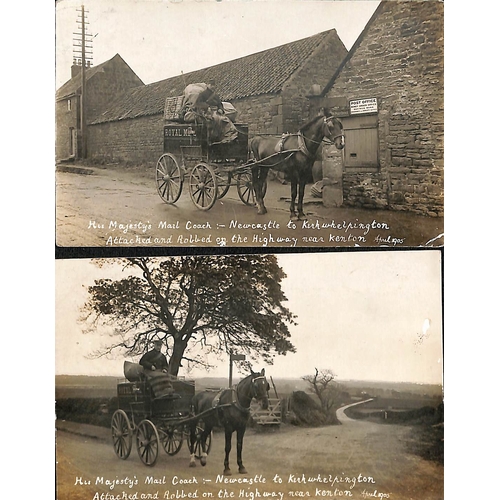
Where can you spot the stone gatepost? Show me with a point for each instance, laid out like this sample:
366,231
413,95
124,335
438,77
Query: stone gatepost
331,157
332,176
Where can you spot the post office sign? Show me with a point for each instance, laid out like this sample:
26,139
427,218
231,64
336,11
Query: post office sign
361,106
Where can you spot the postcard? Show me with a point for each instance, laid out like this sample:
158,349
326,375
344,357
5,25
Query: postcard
326,370
204,123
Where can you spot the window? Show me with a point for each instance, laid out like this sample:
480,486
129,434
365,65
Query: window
361,142
69,104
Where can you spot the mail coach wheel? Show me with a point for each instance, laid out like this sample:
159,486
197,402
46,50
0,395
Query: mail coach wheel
171,439
169,178
245,188
203,186
223,183
147,441
200,426
121,432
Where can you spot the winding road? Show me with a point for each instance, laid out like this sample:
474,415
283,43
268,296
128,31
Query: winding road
357,459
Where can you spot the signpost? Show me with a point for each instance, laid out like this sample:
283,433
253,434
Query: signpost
234,357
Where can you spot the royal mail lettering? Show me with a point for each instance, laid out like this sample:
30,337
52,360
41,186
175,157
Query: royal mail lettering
179,132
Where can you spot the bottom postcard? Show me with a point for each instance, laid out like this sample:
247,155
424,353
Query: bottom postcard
266,376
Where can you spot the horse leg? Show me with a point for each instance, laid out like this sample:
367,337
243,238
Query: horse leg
206,432
239,449
302,188
293,196
192,445
258,178
227,470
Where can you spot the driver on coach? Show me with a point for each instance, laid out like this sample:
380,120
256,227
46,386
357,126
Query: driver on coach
154,360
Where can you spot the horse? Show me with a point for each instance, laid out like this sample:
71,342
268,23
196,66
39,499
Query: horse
230,408
293,154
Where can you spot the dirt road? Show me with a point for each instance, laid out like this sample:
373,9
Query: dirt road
357,459
117,207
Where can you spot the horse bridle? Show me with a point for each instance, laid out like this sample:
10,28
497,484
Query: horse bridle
331,139
254,393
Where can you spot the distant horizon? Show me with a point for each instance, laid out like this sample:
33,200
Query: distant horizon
274,378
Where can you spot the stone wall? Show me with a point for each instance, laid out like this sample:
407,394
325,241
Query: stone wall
137,141
263,113
400,62
316,71
140,140
65,119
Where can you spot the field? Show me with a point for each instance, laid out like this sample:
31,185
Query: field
105,387
92,400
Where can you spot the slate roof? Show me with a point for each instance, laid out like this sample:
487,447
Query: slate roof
264,72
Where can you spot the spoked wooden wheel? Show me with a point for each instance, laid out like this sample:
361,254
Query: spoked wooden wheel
203,186
147,441
169,178
200,426
223,183
171,439
121,432
244,186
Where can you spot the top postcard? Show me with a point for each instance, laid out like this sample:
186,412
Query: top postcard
204,123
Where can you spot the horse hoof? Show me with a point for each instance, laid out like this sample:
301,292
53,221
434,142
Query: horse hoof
242,470
192,464
227,472
203,461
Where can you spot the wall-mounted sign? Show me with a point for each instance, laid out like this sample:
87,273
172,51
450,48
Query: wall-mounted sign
361,106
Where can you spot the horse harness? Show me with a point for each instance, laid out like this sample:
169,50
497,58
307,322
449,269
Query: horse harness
216,404
280,146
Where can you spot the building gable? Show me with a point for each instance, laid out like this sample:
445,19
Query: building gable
114,65
389,92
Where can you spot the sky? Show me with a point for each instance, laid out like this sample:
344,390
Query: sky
162,38
363,315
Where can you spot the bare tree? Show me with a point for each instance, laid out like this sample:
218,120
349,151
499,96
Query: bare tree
323,384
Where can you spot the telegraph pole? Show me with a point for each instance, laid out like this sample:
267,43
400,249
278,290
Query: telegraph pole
83,52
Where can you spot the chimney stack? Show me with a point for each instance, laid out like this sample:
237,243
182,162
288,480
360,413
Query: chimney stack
76,67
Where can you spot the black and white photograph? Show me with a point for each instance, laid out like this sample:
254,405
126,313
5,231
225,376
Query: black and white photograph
249,243
249,123
250,376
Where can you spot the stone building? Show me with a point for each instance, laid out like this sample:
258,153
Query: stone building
269,89
389,93
102,84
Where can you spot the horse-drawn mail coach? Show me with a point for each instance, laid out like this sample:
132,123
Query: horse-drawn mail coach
212,158
166,418
209,167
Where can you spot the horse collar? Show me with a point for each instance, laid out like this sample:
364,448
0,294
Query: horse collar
216,401
237,403
302,145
